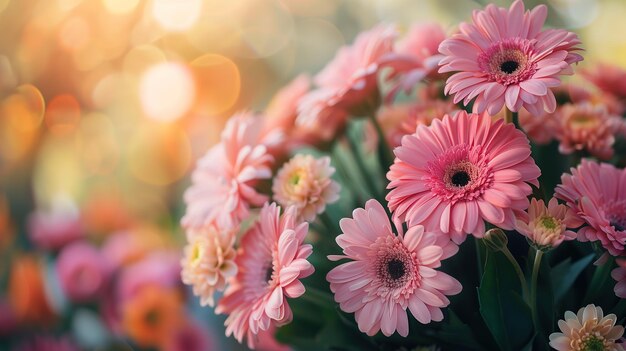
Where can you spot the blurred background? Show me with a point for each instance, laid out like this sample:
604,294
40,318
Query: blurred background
104,107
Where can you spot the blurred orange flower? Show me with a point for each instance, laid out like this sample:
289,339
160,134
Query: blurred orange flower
152,314
26,291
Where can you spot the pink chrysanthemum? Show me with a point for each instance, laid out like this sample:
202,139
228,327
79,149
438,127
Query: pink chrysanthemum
223,182
271,260
547,227
305,183
348,84
597,193
586,127
208,262
589,329
460,172
390,273
619,275
504,57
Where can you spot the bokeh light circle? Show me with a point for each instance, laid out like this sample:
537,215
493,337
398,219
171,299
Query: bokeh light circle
218,81
62,114
176,15
120,7
166,91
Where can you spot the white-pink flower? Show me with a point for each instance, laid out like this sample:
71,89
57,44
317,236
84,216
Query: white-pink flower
389,274
547,226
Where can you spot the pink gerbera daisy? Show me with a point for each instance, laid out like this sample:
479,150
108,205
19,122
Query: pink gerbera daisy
348,84
271,261
597,193
390,273
504,57
460,171
223,182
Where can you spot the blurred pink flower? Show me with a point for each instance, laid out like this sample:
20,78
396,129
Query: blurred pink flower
47,343
597,194
586,127
54,229
348,85
389,273
190,336
420,45
222,189
504,57
83,272
208,262
547,227
541,128
271,260
458,173
305,182
266,341
611,79
159,268
8,319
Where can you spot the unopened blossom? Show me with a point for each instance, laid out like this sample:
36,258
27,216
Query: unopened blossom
586,127
223,183
459,172
305,183
271,261
208,262
597,194
504,57
348,84
589,329
390,273
547,226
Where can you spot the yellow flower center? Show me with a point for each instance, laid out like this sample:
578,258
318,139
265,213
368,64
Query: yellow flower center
196,253
583,121
549,222
297,176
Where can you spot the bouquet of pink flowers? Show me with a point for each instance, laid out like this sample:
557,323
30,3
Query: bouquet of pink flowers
423,190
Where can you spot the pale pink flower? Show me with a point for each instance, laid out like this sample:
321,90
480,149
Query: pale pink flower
420,46
348,84
267,341
160,268
460,172
305,183
83,272
208,262
619,275
597,193
549,226
390,273
54,229
504,57
223,183
586,127
589,329
271,261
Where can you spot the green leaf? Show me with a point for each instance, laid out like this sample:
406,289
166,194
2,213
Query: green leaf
545,306
565,273
504,311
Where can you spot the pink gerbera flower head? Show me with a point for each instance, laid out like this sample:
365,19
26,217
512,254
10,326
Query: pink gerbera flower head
541,128
420,46
504,57
458,173
609,78
271,261
348,84
586,127
223,183
547,226
390,273
597,193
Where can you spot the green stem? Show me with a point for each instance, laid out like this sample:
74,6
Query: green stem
515,120
479,257
384,151
365,172
533,286
318,297
508,116
518,271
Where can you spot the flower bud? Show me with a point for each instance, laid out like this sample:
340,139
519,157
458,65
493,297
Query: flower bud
495,239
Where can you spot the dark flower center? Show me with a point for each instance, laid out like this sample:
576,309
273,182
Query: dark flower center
396,269
460,178
269,271
618,225
593,344
509,67
152,317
